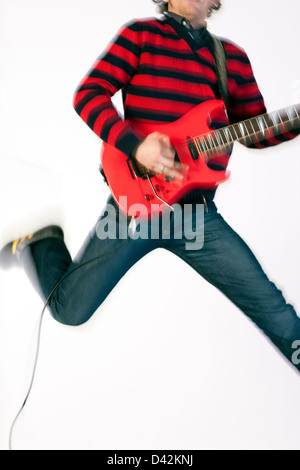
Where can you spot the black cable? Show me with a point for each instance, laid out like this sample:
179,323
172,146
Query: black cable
32,378
39,341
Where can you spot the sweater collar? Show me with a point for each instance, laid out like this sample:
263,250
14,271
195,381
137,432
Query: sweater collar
183,21
200,35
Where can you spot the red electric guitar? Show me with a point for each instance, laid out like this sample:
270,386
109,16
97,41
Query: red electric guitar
196,146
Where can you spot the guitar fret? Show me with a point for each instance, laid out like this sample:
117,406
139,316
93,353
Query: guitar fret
284,116
215,139
232,127
211,142
249,128
237,131
252,127
227,135
242,129
244,132
278,119
253,137
223,134
218,134
218,139
281,119
250,137
229,132
261,124
291,112
274,120
267,121
204,144
255,125
270,122
196,142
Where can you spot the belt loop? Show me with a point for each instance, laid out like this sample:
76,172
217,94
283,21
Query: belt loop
205,203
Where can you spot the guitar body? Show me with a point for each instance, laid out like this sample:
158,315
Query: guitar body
134,195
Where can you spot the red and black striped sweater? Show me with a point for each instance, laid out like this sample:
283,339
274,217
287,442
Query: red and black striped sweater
163,73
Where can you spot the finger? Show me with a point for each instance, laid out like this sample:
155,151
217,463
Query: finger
169,171
167,148
170,163
164,139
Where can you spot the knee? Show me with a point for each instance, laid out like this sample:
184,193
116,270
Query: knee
67,319
283,323
69,314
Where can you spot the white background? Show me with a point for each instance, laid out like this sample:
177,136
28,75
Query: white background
167,362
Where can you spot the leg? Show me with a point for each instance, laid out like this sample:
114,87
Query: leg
86,282
228,263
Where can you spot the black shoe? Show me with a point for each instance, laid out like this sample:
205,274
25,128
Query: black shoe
11,253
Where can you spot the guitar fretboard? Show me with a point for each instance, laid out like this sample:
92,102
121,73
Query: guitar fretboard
250,131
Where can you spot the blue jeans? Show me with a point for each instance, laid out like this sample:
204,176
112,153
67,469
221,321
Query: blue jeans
223,259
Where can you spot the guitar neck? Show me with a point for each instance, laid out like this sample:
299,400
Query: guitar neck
250,131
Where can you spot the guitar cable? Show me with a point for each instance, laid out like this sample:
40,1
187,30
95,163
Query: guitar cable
39,342
40,322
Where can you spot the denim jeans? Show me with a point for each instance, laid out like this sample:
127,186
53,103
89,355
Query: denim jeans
222,258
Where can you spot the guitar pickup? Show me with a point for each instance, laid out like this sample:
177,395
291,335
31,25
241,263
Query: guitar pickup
177,159
192,148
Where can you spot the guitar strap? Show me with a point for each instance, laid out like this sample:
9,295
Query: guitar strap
221,68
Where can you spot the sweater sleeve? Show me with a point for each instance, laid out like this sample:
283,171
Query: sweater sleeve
246,100
110,73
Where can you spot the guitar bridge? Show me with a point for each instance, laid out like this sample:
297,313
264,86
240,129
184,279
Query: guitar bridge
157,196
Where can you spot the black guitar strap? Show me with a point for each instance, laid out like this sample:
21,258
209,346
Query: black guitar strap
221,68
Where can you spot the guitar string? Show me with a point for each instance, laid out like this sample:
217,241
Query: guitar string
223,145
255,133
